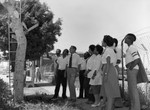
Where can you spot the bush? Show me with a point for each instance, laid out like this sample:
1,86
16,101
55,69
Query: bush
5,95
4,92
144,92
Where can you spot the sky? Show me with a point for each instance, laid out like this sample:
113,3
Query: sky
85,22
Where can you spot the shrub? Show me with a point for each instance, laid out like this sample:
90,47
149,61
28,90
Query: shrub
5,95
144,92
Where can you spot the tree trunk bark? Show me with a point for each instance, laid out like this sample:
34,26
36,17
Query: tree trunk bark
33,71
41,67
16,27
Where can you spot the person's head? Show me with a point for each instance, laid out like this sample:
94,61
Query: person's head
86,55
72,49
58,52
91,49
98,50
130,38
65,52
115,42
107,41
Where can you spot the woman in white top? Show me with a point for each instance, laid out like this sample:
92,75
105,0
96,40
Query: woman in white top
96,79
110,86
132,59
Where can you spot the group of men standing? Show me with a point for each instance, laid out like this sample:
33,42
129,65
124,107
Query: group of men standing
67,67
98,72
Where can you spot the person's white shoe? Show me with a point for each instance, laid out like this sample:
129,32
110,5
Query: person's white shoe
95,105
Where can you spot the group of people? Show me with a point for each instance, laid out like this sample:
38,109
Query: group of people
98,72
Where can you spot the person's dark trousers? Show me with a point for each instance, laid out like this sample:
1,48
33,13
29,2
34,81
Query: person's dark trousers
81,80
60,79
86,87
89,96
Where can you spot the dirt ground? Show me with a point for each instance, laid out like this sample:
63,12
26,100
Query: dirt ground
49,90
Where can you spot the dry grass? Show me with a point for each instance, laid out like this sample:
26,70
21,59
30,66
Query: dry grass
43,106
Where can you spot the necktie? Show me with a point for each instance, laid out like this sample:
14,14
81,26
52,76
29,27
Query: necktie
70,61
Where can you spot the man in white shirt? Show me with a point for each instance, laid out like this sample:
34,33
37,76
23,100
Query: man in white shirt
73,65
61,75
54,59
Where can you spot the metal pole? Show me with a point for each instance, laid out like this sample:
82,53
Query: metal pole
122,55
20,9
9,51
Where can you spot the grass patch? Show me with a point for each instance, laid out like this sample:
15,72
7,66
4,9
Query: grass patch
43,102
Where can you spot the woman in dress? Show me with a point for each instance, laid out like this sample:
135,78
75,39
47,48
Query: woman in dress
132,60
96,77
110,85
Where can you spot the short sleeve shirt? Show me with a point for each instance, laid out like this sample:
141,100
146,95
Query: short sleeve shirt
75,60
109,52
54,58
131,55
83,64
118,53
90,62
97,67
62,62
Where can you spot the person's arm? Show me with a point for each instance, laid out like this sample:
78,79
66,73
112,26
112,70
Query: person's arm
79,64
57,65
94,74
48,56
136,57
65,75
128,65
134,63
106,70
97,67
118,56
86,72
79,67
